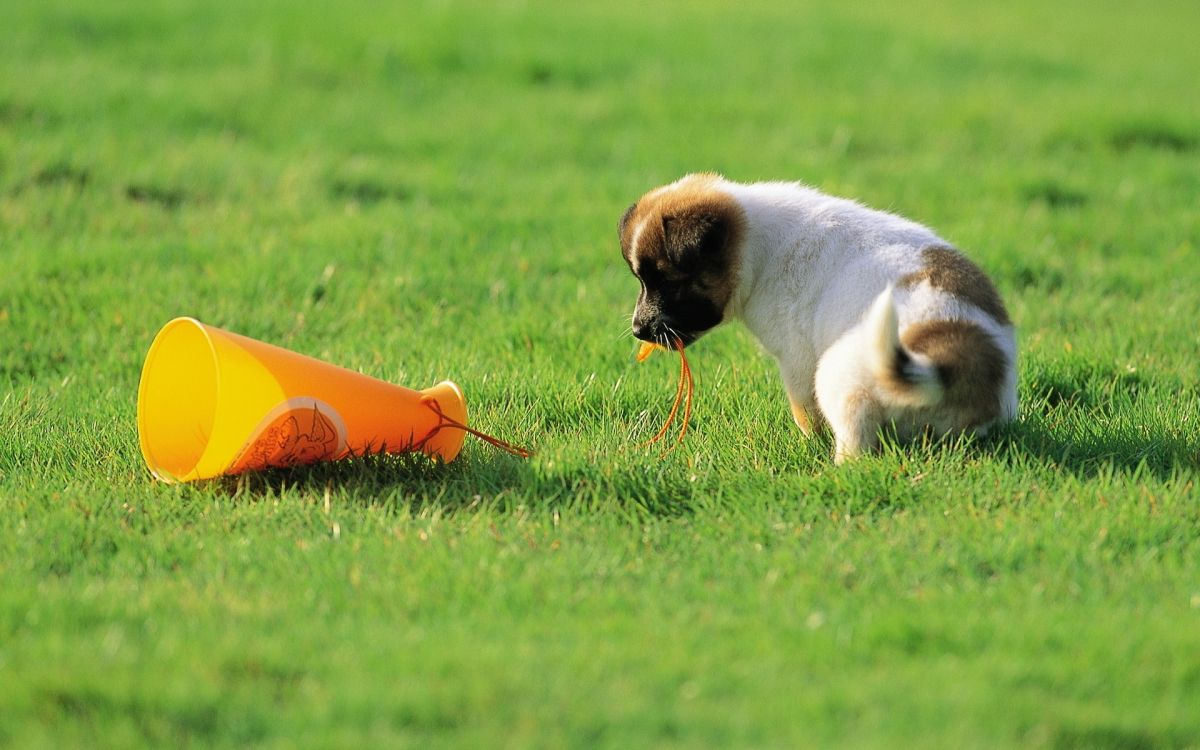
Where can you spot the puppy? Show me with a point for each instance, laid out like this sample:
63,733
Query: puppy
874,319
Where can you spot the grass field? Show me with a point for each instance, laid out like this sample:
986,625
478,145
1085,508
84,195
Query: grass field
430,190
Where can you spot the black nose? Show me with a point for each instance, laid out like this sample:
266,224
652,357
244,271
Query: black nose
645,331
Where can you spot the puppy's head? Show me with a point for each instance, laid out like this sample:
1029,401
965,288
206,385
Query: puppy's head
682,242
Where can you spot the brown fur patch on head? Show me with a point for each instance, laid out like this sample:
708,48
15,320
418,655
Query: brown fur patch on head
686,235
643,222
969,362
949,270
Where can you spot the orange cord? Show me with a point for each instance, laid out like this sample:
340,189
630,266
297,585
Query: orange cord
446,421
687,385
684,393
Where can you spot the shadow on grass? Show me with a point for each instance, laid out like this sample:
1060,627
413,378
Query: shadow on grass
481,478
505,483
1085,416
1121,452
1052,438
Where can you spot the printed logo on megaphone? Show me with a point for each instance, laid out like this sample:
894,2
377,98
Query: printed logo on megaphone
298,431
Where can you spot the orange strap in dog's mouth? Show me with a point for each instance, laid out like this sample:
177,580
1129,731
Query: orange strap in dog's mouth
683,394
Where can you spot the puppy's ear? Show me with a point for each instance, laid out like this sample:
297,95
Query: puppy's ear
696,236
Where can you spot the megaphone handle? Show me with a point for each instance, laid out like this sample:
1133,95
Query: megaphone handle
445,421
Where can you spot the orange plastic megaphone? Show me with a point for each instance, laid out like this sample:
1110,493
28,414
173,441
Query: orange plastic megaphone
211,402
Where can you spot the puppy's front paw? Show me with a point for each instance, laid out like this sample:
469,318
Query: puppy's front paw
800,416
807,418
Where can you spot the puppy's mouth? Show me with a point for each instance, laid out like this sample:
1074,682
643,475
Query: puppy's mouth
666,335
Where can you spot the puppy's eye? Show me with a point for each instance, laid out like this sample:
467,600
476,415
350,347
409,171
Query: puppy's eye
666,287
663,275
674,280
649,276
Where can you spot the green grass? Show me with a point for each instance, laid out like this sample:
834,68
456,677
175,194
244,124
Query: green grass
430,190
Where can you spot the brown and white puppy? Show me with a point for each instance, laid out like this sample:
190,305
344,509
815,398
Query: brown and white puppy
874,319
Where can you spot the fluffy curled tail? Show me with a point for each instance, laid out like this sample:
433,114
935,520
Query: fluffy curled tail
905,378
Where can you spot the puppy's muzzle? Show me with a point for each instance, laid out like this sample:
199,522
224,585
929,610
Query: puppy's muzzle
651,331
649,324
660,329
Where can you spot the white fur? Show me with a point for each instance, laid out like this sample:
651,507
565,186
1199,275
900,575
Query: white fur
633,244
816,288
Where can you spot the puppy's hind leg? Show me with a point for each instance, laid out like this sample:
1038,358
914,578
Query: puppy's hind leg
857,429
844,392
